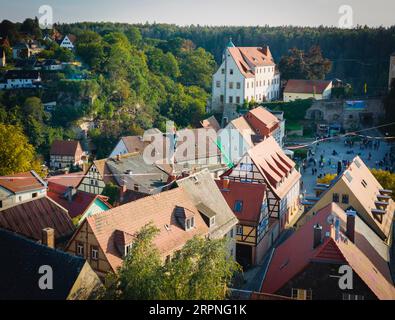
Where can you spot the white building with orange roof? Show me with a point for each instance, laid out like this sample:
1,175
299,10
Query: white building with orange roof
245,74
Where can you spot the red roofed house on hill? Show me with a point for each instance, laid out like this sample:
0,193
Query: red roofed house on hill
245,74
20,187
266,163
304,89
64,154
307,265
104,239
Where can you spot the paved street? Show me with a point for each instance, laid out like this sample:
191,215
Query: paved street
326,148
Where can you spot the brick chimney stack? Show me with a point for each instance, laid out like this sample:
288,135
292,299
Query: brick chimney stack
48,237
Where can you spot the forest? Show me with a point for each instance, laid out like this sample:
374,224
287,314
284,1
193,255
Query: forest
138,76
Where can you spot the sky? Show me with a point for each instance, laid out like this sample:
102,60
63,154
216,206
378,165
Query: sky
207,12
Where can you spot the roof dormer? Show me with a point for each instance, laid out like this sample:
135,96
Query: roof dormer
185,218
123,242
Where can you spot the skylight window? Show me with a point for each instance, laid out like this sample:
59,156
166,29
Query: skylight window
348,176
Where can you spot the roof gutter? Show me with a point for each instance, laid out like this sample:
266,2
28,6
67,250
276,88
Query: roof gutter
267,268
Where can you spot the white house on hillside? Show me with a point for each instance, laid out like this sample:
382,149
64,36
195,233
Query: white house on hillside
68,42
245,74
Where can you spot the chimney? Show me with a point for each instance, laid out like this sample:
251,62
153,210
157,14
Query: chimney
48,237
225,183
317,235
351,225
122,191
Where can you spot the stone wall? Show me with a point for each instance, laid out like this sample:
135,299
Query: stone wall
336,112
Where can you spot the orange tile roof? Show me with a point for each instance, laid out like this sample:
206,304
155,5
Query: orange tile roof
65,147
279,170
70,179
22,182
306,86
252,195
292,256
358,171
133,143
263,116
251,56
131,217
81,200
211,123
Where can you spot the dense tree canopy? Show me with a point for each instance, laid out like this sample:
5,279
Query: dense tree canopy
16,154
300,65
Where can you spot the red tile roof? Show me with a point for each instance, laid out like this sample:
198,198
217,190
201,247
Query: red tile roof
306,86
81,201
279,170
245,57
131,217
65,148
211,123
292,256
29,218
68,180
134,143
22,182
262,121
252,195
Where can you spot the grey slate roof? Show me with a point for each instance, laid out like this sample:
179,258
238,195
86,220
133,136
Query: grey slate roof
20,261
132,170
206,196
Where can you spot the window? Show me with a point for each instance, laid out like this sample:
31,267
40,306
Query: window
348,296
94,253
128,248
92,183
335,197
79,249
364,183
248,85
345,198
218,84
34,194
238,206
221,98
230,71
136,187
222,70
231,233
212,221
20,198
237,100
189,223
230,99
230,85
1,203
239,230
301,294
238,85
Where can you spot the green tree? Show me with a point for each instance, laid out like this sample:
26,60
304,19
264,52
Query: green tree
386,179
139,278
300,65
202,269
197,68
112,192
16,154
